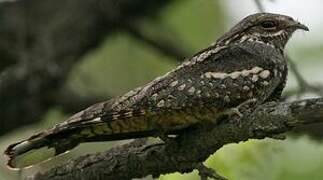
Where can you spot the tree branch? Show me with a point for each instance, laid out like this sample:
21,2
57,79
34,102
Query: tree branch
159,41
259,6
184,154
39,50
303,85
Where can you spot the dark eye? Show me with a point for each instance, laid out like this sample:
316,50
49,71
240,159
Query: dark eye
268,24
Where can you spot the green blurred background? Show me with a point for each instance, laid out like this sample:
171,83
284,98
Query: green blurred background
122,63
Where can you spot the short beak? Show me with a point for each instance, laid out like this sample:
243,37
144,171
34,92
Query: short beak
298,25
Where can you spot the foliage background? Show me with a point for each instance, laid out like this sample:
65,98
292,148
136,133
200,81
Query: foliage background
121,63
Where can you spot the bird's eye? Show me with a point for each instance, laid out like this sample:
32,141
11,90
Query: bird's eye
268,24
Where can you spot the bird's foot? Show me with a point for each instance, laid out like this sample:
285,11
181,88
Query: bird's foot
235,113
237,110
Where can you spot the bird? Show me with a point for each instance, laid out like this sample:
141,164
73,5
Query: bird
246,64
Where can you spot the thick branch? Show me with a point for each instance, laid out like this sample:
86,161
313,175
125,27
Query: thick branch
184,154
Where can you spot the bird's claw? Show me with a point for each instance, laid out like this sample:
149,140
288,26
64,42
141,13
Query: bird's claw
235,113
237,110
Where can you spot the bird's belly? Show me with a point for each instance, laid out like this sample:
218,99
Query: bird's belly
185,118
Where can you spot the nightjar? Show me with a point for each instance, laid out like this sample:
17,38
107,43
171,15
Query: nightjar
245,63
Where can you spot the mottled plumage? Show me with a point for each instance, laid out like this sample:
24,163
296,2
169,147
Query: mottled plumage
246,63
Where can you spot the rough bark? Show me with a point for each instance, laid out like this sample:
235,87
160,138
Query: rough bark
183,154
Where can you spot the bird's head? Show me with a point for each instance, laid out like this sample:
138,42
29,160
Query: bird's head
272,29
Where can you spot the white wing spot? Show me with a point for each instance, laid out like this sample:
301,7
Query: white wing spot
223,86
235,74
216,75
207,75
161,103
171,97
115,116
128,114
98,119
275,72
191,90
264,74
201,57
245,73
256,70
181,87
279,74
246,88
255,78
174,83
265,83
154,96
244,38
226,98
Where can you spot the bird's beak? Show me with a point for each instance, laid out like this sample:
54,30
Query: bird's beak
298,25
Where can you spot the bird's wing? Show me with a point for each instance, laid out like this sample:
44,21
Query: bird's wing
211,81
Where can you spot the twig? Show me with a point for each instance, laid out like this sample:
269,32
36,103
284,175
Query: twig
193,147
259,6
304,86
159,42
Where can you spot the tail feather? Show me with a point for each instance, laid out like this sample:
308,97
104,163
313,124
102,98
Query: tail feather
51,145
24,146
95,123
82,127
14,151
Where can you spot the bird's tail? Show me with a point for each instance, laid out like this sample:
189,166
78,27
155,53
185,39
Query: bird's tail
84,127
65,136
37,148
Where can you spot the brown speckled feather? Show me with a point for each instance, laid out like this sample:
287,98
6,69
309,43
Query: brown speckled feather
246,63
